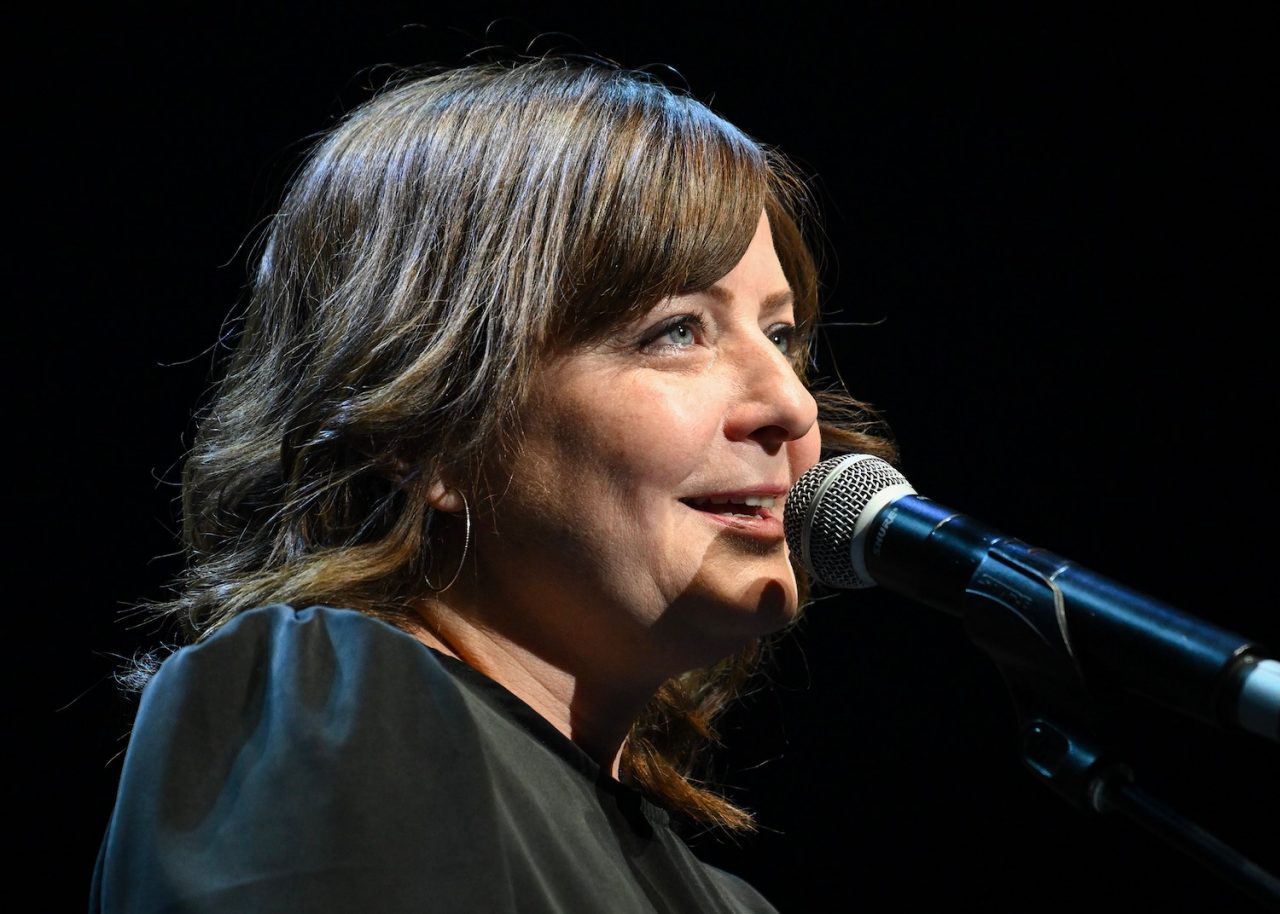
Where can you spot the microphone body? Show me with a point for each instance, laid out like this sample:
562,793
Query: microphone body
856,522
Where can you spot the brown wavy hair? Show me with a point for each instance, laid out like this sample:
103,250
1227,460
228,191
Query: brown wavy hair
435,247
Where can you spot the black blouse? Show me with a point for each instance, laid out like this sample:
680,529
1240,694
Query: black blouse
321,760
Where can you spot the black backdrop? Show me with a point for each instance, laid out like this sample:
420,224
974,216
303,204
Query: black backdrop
1054,223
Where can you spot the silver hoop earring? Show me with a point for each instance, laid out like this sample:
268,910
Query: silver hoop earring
466,544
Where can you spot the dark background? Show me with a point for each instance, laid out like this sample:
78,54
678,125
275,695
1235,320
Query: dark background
1054,222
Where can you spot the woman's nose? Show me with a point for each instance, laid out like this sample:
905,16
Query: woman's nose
775,406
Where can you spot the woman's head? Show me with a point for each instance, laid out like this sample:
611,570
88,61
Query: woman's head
443,240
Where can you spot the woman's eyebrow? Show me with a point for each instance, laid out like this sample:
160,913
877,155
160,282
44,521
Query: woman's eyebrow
769,305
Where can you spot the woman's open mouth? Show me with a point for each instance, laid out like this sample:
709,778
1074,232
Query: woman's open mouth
743,506
757,516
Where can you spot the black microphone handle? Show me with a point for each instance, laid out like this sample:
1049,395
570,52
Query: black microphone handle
1042,614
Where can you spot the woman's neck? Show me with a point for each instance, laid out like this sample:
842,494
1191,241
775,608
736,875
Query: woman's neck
596,715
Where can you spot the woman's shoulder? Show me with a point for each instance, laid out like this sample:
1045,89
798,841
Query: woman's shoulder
281,755
316,636
319,658
319,673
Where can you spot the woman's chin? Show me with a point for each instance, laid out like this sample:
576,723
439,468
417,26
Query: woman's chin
703,631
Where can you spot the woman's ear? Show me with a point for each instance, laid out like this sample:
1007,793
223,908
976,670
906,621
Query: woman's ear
444,498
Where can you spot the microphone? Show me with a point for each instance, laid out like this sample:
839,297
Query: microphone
854,521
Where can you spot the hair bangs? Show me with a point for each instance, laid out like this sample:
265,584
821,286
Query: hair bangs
685,190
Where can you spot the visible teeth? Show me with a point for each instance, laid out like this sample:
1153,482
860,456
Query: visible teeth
762,501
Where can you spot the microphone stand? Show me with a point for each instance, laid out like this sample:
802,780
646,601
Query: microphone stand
1061,717
1083,774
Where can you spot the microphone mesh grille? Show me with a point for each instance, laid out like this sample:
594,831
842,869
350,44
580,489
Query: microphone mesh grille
829,536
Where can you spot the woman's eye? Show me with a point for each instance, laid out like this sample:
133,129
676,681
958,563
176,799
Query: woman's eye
679,334
782,336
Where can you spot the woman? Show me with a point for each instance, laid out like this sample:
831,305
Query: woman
484,519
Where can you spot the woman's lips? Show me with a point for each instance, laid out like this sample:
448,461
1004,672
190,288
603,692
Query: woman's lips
757,521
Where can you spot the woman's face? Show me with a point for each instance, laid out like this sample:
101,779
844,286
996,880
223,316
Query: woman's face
627,535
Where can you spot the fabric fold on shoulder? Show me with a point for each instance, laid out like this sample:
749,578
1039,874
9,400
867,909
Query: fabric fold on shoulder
289,745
